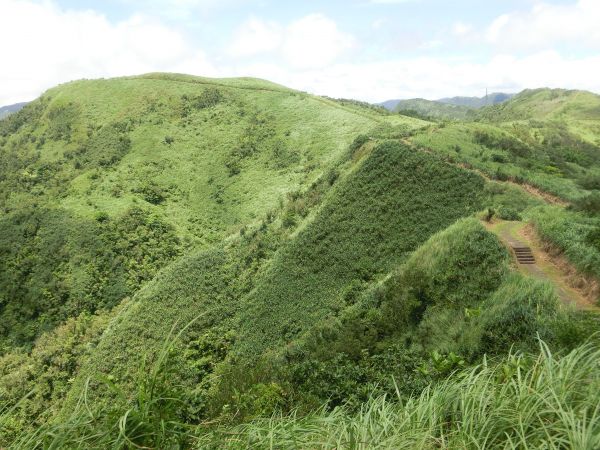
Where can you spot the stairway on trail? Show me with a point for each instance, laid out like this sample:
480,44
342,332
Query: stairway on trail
524,254
541,268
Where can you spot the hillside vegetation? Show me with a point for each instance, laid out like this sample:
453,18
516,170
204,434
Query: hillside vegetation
547,141
199,263
478,102
446,108
427,109
154,164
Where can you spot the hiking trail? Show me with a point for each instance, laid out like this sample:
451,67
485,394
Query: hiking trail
532,260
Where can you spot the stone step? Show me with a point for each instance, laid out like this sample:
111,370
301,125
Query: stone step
524,255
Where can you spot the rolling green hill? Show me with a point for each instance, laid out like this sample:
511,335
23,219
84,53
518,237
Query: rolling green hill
183,258
154,164
478,102
464,104
547,138
419,107
546,104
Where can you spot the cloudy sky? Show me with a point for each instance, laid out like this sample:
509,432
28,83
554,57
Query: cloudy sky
366,49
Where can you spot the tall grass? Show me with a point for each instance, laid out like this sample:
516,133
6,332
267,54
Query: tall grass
569,231
150,419
548,401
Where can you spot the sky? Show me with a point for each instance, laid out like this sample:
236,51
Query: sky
372,50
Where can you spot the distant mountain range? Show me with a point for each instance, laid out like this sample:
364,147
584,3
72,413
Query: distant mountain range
9,109
445,108
470,102
428,109
478,102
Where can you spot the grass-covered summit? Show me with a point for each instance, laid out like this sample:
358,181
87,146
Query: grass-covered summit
103,182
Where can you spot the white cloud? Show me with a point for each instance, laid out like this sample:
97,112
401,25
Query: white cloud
547,25
435,78
377,24
181,9
461,29
42,45
311,41
256,36
432,45
314,41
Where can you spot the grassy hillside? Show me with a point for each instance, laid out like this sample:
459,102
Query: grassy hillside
268,287
388,331
175,139
548,139
182,258
371,222
140,169
546,104
535,402
464,103
548,142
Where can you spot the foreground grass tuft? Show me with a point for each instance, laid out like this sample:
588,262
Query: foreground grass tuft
547,401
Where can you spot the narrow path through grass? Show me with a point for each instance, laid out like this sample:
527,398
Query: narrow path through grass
515,234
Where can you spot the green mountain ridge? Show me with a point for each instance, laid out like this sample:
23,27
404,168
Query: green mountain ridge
478,102
182,256
7,110
419,107
445,108
546,104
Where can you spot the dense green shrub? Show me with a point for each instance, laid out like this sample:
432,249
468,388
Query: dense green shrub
259,136
515,315
562,146
358,142
589,204
61,119
457,267
508,213
152,192
104,148
568,230
54,265
29,115
374,219
501,142
149,419
499,158
210,97
38,381
590,181
593,238
350,381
